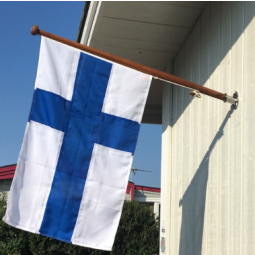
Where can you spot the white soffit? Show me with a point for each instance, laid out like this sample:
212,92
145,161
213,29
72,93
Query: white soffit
149,33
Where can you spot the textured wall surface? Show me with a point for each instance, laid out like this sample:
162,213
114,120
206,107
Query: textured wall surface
209,163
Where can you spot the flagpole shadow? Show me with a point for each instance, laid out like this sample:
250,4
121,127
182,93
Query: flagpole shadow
193,202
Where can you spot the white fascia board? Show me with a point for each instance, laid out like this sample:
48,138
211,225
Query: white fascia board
147,199
92,21
147,196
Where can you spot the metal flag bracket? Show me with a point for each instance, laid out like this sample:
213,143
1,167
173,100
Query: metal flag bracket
195,93
233,100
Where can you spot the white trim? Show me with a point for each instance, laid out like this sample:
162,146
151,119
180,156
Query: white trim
156,210
147,196
166,165
151,200
92,21
87,30
95,23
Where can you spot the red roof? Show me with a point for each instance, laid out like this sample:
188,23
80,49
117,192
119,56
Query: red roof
7,172
145,188
132,187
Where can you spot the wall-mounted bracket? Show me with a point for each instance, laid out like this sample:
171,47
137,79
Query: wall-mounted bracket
195,93
233,100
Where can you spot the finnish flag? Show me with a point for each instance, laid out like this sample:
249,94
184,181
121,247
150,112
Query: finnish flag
78,147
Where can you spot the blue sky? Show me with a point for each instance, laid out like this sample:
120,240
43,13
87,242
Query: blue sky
19,52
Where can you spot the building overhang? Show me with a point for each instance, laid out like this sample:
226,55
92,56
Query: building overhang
149,33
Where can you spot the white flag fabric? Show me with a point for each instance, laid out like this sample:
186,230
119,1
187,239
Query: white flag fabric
74,164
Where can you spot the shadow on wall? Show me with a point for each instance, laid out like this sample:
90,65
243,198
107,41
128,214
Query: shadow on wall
193,202
200,70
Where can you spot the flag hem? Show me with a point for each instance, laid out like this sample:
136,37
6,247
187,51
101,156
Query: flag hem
15,225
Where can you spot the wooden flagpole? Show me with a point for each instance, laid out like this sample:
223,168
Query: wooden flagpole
156,73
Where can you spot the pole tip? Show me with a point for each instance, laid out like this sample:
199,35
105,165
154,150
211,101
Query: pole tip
34,30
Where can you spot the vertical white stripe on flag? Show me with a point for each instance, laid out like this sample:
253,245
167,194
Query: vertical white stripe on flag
33,177
103,198
126,93
57,68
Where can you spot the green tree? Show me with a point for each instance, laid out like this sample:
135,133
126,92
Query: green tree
138,234
12,240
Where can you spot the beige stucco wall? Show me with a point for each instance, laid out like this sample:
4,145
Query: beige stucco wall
208,150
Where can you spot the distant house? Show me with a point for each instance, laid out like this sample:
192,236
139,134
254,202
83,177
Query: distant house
6,176
143,194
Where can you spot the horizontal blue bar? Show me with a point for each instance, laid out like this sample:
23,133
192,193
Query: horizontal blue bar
118,133
50,109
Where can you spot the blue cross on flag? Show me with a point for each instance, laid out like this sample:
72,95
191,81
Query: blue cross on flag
78,147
